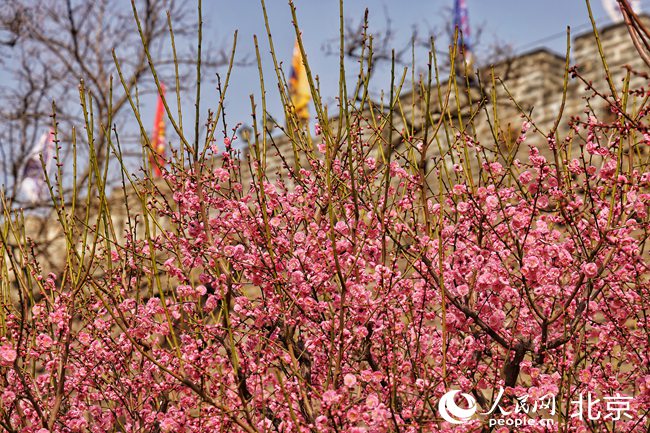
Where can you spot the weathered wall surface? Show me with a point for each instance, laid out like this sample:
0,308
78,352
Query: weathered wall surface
534,83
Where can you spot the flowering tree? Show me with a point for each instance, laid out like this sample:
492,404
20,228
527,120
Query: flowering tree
347,293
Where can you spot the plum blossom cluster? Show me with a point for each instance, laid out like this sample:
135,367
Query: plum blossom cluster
350,295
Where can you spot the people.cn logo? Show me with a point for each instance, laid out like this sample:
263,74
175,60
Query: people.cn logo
451,412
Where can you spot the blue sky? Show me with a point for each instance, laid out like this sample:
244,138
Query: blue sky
522,24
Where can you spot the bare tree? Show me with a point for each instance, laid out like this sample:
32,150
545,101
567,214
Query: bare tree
54,49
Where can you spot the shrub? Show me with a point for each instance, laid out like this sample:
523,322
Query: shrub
347,292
